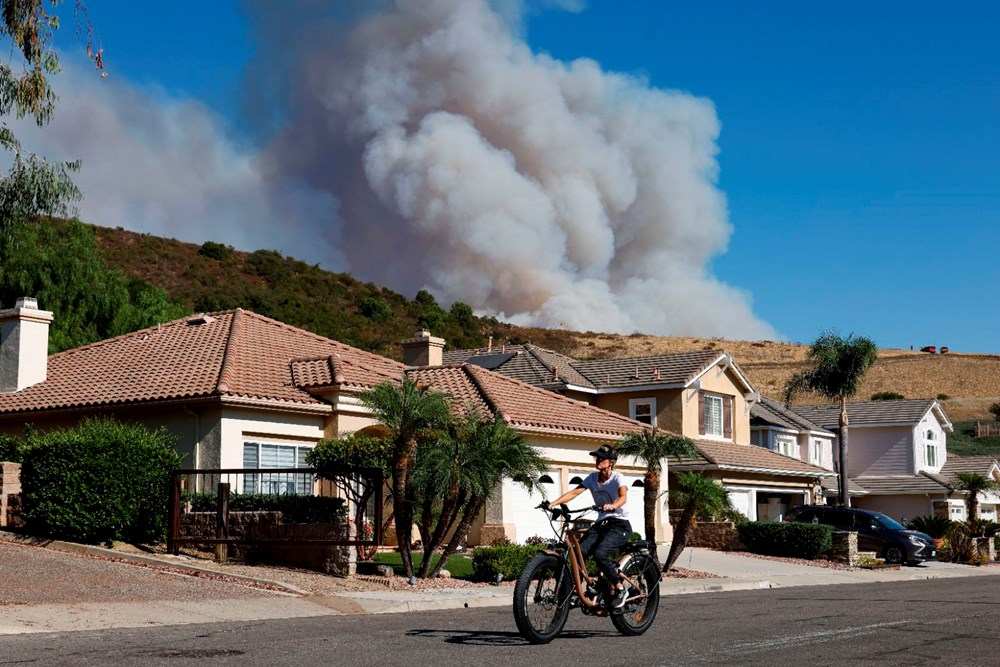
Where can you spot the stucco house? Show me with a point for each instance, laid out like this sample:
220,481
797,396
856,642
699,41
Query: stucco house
896,454
238,388
703,395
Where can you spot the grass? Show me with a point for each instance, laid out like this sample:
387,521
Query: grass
963,443
460,565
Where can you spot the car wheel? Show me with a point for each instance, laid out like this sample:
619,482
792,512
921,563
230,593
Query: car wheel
894,554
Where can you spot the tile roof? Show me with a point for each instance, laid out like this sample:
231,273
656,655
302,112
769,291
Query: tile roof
957,464
541,367
725,454
901,485
831,487
868,412
768,411
231,353
523,406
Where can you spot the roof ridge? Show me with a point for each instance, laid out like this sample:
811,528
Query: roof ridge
226,370
490,401
656,356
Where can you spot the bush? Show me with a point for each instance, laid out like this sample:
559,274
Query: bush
506,560
98,482
10,448
214,250
293,508
887,396
934,526
793,540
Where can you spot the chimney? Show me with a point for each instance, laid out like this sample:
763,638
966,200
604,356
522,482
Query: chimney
423,350
24,345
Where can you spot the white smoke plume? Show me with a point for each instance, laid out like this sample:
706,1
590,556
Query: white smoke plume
422,144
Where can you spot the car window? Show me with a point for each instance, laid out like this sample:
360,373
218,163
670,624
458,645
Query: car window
805,515
840,519
887,522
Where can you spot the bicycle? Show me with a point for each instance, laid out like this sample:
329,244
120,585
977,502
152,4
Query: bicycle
557,580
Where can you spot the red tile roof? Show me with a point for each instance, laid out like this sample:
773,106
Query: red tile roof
232,353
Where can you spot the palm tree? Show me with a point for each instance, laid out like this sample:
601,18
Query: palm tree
697,495
485,452
650,447
836,368
411,413
975,483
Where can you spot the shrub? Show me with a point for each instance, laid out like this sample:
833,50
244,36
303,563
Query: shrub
995,411
887,396
943,397
375,309
794,540
293,508
935,526
97,482
10,448
214,250
505,560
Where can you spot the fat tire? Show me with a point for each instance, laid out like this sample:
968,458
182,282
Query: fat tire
541,597
638,616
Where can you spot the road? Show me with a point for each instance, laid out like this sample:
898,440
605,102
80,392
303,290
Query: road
954,621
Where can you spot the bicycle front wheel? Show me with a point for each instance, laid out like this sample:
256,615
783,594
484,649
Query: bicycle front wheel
640,609
541,599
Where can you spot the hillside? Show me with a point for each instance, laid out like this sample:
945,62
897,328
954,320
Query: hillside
214,277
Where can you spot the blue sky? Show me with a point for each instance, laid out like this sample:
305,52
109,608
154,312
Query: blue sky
859,155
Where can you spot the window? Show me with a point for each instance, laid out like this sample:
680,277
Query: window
816,452
932,454
785,446
643,410
713,415
259,455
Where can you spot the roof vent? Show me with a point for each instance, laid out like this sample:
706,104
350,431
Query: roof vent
198,320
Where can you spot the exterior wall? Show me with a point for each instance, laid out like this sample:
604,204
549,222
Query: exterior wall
668,410
717,381
880,451
929,423
240,424
900,507
567,460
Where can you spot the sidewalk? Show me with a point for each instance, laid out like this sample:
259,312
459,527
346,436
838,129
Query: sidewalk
733,572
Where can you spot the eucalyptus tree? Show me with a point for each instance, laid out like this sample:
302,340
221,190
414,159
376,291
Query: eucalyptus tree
412,414
650,447
835,368
697,496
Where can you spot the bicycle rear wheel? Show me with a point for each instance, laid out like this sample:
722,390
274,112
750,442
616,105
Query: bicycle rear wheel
541,599
639,613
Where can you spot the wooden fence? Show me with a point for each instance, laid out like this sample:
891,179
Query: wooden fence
987,428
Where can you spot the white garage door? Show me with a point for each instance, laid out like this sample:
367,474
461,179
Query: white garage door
527,520
741,503
636,492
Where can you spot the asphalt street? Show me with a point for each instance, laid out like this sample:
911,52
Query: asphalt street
934,622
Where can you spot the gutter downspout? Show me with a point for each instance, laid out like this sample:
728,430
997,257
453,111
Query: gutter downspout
197,435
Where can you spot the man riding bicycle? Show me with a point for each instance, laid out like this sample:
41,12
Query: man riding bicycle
612,528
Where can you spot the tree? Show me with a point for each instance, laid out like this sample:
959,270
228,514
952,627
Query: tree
32,185
412,414
455,475
995,411
650,447
337,460
975,483
696,495
836,366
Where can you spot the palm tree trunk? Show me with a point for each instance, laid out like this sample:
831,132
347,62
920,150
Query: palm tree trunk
845,496
469,514
650,495
680,536
401,507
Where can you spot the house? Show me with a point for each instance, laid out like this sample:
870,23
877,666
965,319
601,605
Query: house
896,453
702,395
777,428
238,389
989,503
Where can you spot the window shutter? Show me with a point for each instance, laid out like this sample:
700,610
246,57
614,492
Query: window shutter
701,413
727,416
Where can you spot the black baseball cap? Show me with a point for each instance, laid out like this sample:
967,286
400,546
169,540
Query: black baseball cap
605,452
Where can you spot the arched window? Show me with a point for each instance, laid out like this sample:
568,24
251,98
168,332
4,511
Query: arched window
545,479
930,434
639,483
576,481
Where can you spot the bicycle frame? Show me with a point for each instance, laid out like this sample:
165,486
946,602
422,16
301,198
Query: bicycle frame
569,534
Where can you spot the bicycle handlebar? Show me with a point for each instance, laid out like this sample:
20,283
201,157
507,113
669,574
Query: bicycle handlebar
564,510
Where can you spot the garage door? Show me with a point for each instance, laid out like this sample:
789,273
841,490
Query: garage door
527,520
636,492
741,503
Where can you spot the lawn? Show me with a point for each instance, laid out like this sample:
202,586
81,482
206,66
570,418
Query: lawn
460,565
963,443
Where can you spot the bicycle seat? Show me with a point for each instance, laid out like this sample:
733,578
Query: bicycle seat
639,545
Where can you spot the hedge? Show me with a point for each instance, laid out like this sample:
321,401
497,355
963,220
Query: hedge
293,508
506,560
97,482
793,540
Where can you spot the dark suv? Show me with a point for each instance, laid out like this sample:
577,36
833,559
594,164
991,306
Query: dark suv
876,532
